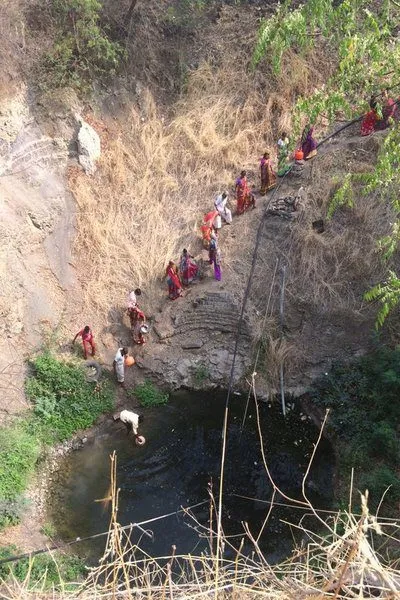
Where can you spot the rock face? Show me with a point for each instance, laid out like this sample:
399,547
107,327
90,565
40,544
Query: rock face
88,147
196,343
36,229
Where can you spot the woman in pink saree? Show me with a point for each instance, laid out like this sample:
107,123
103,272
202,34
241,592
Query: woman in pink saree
188,268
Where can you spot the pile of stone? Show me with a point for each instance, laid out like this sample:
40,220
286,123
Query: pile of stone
285,207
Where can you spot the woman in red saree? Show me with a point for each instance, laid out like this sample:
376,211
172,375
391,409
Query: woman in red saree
138,319
368,123
244,197
174,284
388,111
268,177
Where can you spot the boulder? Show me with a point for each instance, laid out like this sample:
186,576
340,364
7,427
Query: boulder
89,148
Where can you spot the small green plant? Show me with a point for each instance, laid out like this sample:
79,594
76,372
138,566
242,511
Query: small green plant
201,373
53,570
387,294
48,530
149,395
342,197
185,13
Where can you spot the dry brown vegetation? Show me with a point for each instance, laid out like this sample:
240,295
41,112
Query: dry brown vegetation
157,177
336,268
162,167
12,45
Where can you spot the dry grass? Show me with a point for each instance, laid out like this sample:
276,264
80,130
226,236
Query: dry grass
277,351
12,45
337,267
158,176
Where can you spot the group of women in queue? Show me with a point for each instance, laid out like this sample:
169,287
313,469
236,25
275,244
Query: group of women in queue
245,199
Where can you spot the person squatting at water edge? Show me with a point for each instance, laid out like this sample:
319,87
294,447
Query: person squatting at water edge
220,204
268,177
119,364
187,267
214,255
88,344
131,420
244,198
173,281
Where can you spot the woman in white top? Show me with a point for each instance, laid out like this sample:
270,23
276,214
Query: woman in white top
132,298
220,204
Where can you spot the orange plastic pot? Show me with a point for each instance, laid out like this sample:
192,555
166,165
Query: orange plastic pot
299,155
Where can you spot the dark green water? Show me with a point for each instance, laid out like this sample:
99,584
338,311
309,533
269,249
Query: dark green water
174,468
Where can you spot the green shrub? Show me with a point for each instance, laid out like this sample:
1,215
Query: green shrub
19,451
377,481
384,442
82,48
63,402
149,395
363,398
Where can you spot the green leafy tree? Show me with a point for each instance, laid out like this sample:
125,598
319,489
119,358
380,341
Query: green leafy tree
82,48
387,294
360,34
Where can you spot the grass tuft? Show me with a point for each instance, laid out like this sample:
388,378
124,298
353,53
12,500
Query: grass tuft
149,395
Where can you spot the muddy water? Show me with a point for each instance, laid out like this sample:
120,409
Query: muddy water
174,468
